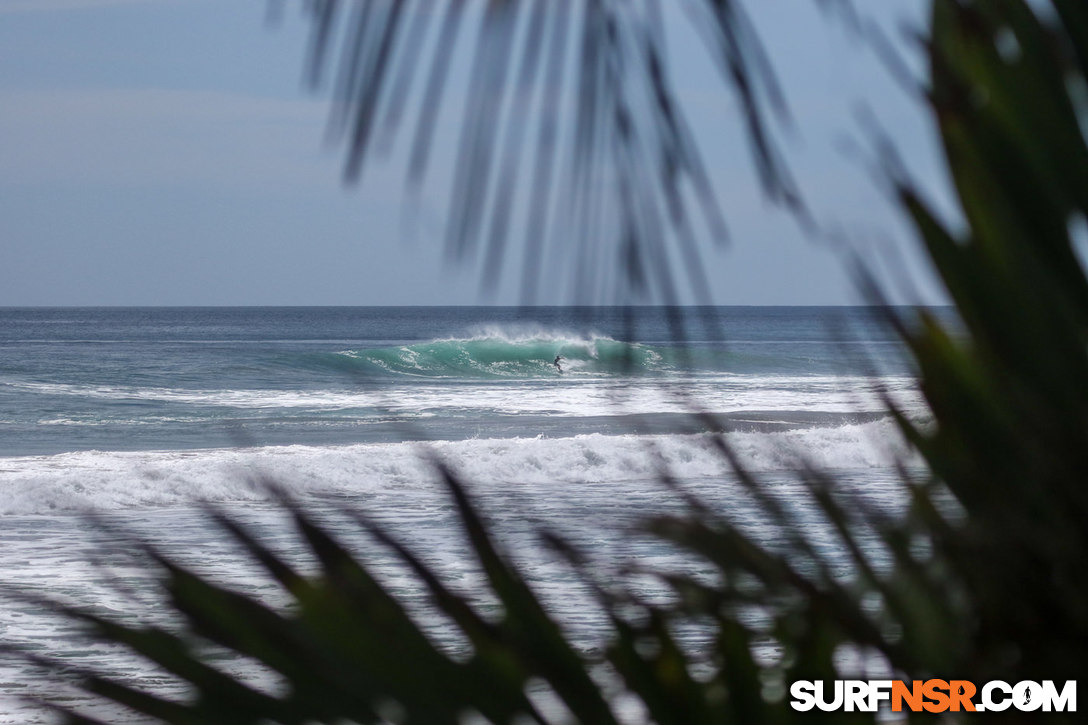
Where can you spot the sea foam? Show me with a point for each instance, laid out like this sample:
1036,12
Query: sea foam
718,393
103,480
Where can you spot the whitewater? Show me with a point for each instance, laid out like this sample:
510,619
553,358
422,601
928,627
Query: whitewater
142,416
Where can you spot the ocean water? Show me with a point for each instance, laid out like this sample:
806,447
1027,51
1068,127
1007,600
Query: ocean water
140,415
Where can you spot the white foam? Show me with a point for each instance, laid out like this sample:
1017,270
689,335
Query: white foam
532,333
718,393
123,480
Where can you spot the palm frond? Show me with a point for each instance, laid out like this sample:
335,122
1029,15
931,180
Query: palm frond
617,179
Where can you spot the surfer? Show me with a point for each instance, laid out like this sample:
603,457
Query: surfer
556,363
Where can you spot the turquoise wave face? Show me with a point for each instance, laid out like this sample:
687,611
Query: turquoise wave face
531,357
498,357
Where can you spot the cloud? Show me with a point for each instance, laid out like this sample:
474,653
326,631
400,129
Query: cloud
161,137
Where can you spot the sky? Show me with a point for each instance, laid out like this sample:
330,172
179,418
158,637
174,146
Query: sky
167,152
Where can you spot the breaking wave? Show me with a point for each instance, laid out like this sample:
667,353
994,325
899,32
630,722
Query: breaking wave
105,480
496,355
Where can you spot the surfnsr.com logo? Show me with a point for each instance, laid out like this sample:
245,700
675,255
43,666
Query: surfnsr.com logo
934,696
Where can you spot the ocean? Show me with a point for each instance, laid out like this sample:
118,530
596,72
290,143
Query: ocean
141,415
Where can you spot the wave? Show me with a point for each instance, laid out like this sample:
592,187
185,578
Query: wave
498,353
721,394
495,354
104,480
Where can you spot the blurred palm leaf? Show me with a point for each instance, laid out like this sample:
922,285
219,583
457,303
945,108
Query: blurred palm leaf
614,182
1011,402
986,571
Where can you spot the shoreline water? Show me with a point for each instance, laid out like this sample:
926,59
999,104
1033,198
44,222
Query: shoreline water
144,415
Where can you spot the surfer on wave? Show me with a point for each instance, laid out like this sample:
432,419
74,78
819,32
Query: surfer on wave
556,363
